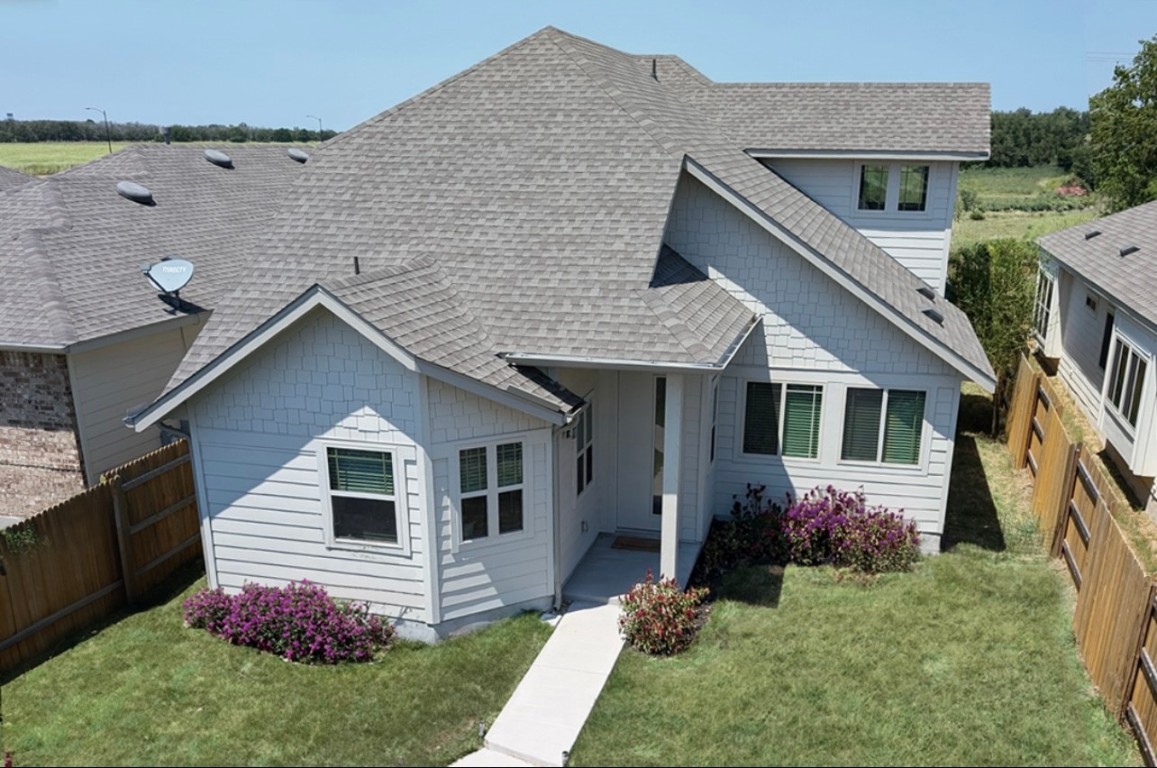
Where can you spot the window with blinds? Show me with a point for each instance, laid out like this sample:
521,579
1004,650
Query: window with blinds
1126,381
490,490
796,433
883,425
362,501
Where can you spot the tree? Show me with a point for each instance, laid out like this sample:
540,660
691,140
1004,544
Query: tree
994,283
1123,137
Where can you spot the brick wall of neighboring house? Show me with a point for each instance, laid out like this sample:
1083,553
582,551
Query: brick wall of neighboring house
40,462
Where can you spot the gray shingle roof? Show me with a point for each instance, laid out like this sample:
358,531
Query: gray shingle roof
10,178
81,244
539,182
1130,280
926,118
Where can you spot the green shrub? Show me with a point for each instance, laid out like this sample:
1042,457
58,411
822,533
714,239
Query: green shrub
658,617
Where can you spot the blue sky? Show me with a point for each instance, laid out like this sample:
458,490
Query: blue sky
271,63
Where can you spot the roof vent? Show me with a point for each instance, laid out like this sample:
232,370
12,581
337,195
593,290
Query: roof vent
300,155
135,192
935,315
926,292
1092,233
216,157
1127,249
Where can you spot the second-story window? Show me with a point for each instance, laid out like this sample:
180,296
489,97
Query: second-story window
873,187
893,187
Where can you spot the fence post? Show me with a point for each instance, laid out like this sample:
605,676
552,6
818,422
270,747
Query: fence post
120,513
1072,458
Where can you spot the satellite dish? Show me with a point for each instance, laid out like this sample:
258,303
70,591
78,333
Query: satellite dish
300,155
130,190
169,275
217,157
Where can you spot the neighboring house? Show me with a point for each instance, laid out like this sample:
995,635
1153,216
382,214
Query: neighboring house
84,337
1096,313
556,295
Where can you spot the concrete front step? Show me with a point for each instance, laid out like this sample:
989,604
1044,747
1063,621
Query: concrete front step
488,758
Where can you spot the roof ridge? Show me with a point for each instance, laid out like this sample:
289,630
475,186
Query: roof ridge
671,320
54,303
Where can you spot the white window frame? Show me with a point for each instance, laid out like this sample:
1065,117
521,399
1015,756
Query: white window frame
892,194
1042,312
741,424
713,435
922,463
399,455
1132,350
493,537
584,450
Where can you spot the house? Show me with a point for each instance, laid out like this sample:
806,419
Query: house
573,291
84,336
1096,315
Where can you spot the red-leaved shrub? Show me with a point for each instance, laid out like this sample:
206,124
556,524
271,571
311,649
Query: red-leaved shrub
658,617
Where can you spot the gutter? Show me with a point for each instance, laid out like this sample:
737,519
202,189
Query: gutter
760,153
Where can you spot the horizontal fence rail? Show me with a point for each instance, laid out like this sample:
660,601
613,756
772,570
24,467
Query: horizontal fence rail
80,561
1115,617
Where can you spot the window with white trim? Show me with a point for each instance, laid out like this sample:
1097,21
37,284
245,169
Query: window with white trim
883,425
795,434
1126,380
584,448
714,414
491,490
363,504
1045,284
893,187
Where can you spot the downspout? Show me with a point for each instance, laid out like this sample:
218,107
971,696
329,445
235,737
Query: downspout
554,513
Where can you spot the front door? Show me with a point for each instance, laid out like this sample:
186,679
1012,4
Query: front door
642,397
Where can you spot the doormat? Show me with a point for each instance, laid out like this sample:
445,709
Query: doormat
636,543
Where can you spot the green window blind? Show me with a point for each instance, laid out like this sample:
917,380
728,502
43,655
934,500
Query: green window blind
761,418
509,464
862,424
903,427
801,420
472,467
361,471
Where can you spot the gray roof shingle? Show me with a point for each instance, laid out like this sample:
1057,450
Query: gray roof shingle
538,182
82,244
10,178
1130,280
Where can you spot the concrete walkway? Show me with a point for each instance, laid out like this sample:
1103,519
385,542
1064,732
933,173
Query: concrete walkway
551,704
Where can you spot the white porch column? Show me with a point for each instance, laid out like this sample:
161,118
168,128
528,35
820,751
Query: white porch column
672,461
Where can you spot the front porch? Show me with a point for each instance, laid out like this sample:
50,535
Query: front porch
605,572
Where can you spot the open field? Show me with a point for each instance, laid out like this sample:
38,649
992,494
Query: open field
1010,185
1023,225
969,660
43,158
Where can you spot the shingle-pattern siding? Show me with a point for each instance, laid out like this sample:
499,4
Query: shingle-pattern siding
40,462
1130,280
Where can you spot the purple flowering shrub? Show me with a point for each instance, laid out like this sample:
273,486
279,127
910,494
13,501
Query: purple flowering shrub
299,622
658,617
838,527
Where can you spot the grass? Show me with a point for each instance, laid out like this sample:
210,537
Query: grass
970,659
147,691
1021,225
43,158
1008,185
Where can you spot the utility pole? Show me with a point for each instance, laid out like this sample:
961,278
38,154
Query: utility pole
107,135
320,138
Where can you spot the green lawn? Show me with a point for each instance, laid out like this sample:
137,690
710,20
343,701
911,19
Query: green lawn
1022,225
147,691
969,660
47,157
996,185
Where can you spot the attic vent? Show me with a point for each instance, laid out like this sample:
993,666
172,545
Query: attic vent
1092,233
1127,249
135,192
300,155
935,315
217,157
927,292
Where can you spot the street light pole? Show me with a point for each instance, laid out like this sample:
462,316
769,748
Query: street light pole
318,119
107,135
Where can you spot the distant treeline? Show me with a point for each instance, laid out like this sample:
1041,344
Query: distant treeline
1022,138
32,131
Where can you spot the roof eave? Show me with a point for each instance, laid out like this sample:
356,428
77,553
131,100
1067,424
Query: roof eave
771,153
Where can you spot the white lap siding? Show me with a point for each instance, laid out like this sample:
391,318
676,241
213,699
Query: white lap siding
497,573
1082,330
813,332
259,438
919,240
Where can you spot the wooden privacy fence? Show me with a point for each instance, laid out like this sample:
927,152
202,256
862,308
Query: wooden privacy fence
1114,620
79,561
